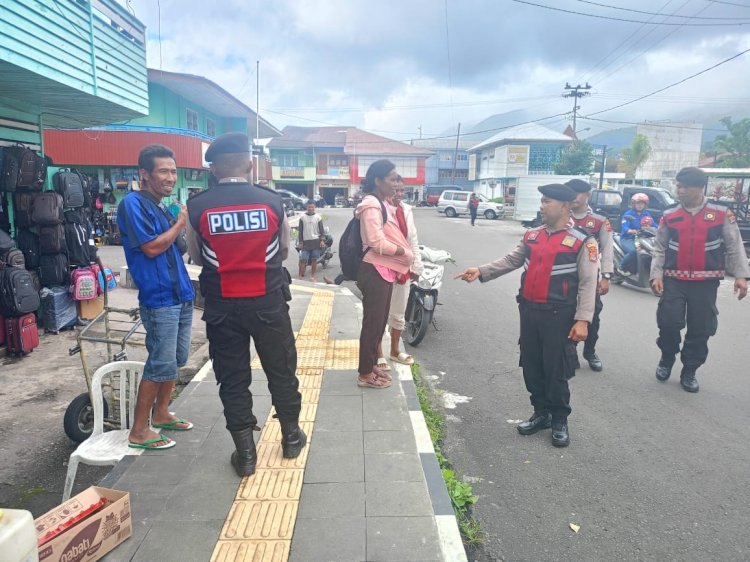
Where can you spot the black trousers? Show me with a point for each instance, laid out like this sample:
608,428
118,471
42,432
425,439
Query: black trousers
589,346
376,303
230,323
691,303
548,357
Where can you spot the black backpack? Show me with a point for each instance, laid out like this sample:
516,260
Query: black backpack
32,168
9,176
70,185
52,240
18,296
53,270
23,202
350,246
13,258
28,243
47,209
77,238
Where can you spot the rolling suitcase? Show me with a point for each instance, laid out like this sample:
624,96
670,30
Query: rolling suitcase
21,334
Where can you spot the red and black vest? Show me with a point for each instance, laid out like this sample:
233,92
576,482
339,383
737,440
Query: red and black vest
695,250
239,226
593,224
551,267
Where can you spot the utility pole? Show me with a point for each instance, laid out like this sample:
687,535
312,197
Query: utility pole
601,170
420,132
455,154
576,92
257,117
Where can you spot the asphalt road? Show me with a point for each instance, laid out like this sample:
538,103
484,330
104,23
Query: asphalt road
652,472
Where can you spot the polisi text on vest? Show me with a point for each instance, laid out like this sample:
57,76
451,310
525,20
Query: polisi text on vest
232,222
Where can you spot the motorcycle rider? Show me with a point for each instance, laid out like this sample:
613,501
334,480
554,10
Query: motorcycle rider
696,241
597,226
632,222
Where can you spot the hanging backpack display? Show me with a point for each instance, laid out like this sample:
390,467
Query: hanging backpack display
70,185
23,202
47,209
53,270
111,281
6,242
9,175
77,236
32,168
52,239
17,293
28,243
13,258
83,284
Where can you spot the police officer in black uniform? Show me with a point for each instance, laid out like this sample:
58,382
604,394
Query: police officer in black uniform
556,303
238,232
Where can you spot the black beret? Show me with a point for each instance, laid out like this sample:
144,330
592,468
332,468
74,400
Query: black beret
692,177
228,143
557,191
579,186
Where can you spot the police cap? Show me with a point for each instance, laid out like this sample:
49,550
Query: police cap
579,186
692,177
557,191
228,143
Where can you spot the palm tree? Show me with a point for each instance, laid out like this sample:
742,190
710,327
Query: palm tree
636,155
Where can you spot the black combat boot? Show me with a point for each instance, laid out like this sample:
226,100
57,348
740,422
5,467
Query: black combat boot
664,369
594,362
537,422
560,435
293,439
245,457
688,381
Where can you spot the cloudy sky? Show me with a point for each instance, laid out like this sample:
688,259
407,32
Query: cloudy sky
391,66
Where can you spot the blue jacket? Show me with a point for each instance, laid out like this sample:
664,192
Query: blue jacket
632,219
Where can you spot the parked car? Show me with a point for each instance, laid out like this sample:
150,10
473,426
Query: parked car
456,203
613,203
298,202
432,193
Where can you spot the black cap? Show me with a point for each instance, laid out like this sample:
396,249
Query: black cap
579,186
692,177
228,143
557,191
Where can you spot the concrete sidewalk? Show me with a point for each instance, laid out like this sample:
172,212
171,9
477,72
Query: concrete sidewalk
367,487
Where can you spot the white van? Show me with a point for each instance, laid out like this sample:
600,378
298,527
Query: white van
456,203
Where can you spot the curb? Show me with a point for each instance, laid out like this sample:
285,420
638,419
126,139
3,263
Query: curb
451,543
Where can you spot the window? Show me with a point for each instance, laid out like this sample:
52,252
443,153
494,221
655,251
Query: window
448,196
192,120
210,128
463,157
447,174
405,166
288,159
338,161
460,196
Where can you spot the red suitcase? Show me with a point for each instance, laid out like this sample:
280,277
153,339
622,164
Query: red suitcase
21,334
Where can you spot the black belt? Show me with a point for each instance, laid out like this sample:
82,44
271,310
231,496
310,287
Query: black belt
543,305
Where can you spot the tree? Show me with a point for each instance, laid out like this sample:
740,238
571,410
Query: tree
735,145
637,154
577,159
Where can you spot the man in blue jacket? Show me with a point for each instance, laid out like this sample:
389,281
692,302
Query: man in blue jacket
632,222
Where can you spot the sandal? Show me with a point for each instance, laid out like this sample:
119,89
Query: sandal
381,374
382,364
373,381
174,425
403,358
150,444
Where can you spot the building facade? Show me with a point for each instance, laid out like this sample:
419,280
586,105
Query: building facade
448,165
185,113
333,161
674,145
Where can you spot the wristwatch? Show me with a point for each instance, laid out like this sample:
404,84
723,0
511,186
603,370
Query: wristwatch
607,275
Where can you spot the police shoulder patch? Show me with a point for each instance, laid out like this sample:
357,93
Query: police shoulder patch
709,216
591,223
593,250
532,235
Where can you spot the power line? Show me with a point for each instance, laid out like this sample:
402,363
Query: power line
673,84
628,20
654,13
728,3
660,124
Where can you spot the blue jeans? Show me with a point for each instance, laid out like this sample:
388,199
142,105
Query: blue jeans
167,340
629,261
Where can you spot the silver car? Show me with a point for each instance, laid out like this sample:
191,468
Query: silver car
456,203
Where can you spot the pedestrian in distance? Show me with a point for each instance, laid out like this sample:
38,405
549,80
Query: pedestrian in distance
387,255
598,227
310,240
402,285
697,242
632,221
473,207
556,304
239,233
150,238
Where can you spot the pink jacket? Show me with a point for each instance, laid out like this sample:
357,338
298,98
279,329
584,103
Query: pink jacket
382,239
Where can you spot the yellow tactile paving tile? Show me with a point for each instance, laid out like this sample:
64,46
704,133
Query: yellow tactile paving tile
260,520
251,551
306,414
272,432
309,381
310,395
283,484
269,456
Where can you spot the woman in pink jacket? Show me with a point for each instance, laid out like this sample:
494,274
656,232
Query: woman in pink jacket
387,255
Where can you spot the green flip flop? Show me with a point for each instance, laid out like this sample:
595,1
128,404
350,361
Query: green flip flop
149,444
172,425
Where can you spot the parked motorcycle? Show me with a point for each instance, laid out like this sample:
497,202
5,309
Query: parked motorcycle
327,252
644,245
423,294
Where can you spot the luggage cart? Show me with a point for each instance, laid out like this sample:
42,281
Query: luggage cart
120,329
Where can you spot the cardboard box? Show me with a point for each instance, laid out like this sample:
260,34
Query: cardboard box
88,310
86,527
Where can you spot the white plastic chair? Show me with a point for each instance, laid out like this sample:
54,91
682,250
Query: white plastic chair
108,448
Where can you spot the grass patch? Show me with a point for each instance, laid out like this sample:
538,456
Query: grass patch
24,497
461,493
